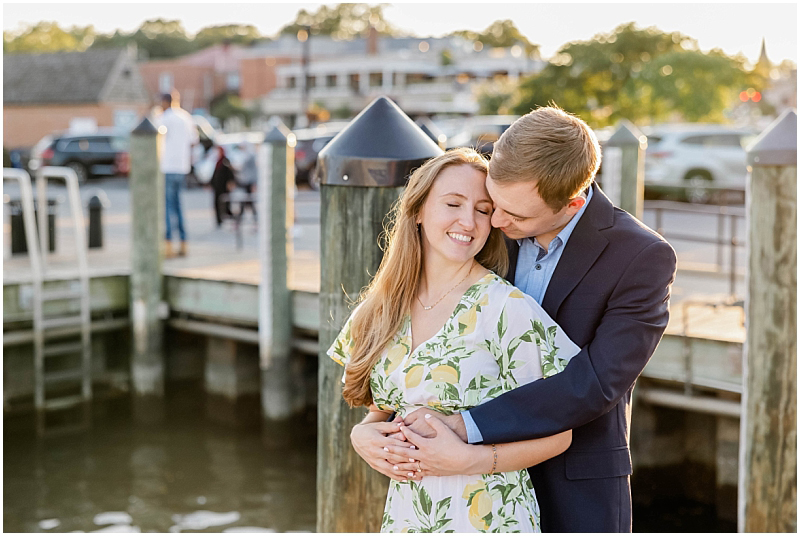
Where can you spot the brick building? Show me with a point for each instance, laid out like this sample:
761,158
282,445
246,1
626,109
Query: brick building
43,93
211,72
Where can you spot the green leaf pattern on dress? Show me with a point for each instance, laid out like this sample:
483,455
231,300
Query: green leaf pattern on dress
496,339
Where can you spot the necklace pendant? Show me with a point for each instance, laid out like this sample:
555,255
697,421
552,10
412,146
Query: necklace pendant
428,308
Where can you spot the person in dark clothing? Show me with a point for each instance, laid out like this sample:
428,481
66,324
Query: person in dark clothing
248,178
222,182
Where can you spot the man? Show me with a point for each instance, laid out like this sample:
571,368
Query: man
176,162
604,277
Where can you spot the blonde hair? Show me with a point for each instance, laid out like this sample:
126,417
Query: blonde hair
389,296
551,147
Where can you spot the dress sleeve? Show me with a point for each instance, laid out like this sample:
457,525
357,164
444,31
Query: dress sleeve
342,347
537,346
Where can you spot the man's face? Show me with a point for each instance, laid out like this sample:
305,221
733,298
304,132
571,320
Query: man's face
521,213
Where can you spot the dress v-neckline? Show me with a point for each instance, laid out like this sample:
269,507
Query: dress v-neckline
410,335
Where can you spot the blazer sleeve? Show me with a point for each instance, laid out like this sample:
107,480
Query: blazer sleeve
595,380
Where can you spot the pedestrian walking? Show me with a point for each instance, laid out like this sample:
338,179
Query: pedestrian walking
222,182
176,162
248,178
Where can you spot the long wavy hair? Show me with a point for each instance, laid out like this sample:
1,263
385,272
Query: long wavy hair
389,296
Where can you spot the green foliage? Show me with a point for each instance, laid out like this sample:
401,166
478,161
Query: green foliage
637,74
342,112
227,106
240,34
47,37
495,97
446,57
501,34
342,21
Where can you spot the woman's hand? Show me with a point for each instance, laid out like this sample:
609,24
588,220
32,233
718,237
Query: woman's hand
445,453
381,444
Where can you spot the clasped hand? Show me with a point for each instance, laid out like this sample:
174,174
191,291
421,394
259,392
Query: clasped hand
421,444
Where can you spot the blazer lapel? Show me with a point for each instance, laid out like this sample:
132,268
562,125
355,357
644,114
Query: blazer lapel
584,246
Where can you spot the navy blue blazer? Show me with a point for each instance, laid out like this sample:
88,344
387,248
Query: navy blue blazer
610,294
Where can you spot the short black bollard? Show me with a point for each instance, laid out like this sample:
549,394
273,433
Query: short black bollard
19,244
95,222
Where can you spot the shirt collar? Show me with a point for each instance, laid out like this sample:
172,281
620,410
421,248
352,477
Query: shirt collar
565,233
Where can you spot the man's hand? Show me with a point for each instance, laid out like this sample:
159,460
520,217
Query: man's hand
417,423
445,453
373,441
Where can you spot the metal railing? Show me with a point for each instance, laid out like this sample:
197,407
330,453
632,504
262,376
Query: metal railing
722,240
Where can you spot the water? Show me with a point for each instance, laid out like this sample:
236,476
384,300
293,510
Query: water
187,473
190,473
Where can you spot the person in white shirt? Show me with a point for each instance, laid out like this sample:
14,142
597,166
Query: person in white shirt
176,162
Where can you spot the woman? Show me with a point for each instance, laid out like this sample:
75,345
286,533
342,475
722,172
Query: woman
439,327
222,181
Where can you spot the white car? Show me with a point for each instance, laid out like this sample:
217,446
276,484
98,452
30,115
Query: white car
697,158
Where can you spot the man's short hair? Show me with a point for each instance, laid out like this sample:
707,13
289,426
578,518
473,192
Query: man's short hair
556,150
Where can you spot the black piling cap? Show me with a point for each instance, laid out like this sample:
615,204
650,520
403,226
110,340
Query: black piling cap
380,147
433,132
777,145
145,128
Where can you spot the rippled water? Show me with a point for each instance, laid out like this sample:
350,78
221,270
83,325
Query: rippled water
191,472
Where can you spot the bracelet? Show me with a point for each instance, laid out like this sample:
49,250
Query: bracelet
494,463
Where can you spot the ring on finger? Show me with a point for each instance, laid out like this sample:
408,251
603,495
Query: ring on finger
419,467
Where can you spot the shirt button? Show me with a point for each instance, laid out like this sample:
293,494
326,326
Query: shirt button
538,266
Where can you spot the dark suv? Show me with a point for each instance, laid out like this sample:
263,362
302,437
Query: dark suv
99,153
310,142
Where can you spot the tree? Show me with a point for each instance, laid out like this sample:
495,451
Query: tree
343,21
501,34
242,34
640,75
495,97
227,106
48,37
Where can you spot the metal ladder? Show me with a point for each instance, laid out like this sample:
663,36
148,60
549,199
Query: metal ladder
60,341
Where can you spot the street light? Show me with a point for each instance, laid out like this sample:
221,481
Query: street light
303,35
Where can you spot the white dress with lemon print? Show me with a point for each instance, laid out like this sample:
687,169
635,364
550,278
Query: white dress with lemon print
496,339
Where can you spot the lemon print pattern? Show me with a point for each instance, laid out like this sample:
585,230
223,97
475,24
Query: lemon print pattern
496,339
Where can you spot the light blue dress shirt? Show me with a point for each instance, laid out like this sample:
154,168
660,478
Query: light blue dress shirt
535,267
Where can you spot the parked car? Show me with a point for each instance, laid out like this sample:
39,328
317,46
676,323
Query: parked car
698,159
310,142
35,156
480,132
88,155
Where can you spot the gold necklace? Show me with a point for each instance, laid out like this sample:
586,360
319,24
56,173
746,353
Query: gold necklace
429,307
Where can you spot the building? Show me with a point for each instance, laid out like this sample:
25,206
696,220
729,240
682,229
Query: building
214,71
424,76
43,93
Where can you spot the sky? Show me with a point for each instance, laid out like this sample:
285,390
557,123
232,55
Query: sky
733,27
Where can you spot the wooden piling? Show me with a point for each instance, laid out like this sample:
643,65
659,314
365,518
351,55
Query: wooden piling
768,462
624,182
146,183
275,215
353,492
363,173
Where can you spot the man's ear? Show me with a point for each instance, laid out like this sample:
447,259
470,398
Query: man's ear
575,204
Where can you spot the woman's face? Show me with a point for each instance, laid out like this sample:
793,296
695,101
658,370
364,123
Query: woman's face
455,220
